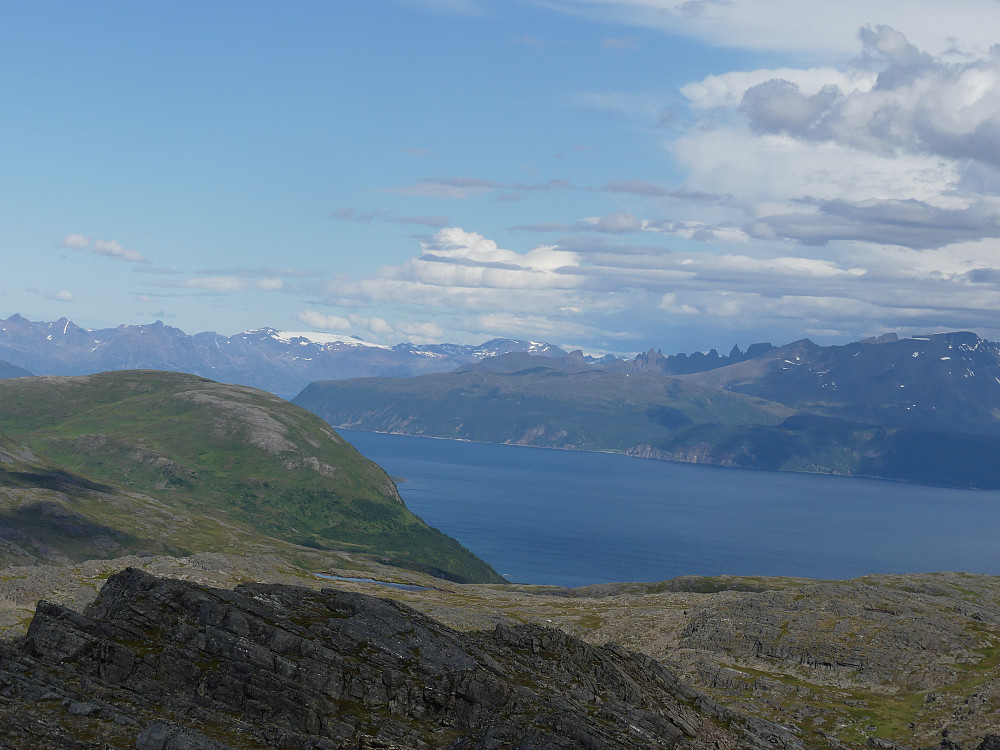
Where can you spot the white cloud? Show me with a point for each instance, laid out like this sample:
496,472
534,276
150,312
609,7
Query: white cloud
421,333
270,283
456,258
107,248
668,303
75,241
901,148
919,104
565,294
113,249
777,168
324,322
374,325
61,296
378,325
230,283
728,89
807,27
216,283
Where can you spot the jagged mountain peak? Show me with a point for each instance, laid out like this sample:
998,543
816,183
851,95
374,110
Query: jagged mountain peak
940,380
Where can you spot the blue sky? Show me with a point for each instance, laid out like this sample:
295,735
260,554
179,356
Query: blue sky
604,174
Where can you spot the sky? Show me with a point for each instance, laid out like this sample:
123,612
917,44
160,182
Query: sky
611,175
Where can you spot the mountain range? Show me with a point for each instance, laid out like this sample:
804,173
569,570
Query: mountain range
283,362
924,409
921,409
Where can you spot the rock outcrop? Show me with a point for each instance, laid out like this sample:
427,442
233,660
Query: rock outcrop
162,664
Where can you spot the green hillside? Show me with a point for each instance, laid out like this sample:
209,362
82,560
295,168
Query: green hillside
230,454
539,406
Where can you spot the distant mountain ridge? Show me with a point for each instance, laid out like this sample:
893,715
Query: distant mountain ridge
946,381
283,362
924,409
277,361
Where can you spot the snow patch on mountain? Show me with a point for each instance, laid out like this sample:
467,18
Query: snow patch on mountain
321,338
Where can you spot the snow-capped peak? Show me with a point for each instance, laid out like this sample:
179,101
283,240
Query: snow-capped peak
322,338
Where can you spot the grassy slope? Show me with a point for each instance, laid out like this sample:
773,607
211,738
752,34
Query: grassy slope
542,407
227,452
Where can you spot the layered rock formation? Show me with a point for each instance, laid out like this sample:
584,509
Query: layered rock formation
161,664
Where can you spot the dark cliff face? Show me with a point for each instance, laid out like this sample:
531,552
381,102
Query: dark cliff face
159,663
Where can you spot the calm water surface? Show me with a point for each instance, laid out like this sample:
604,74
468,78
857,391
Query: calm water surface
570,518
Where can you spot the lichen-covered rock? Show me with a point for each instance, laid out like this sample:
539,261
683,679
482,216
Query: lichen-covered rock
178,666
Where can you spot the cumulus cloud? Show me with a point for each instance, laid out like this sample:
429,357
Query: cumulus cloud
61,296
421,333
779,169
901,148
458,258
75,241
729,89
917,103
324,322
584,292
374,325
857,192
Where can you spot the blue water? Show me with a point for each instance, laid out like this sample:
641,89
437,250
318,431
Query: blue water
570,518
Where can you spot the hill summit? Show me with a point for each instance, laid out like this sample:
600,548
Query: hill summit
166,462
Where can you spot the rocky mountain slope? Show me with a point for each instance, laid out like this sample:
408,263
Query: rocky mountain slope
156,663
909,661
150,461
